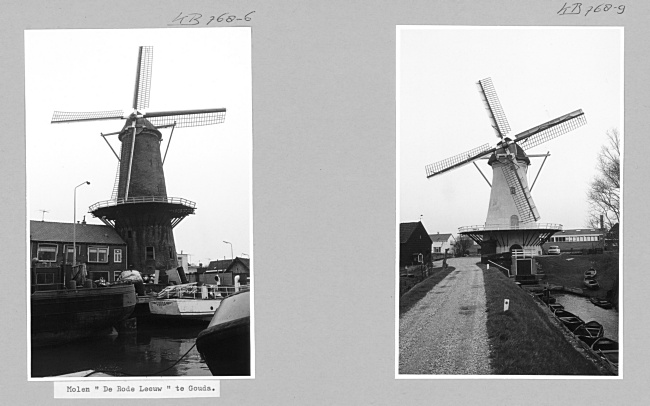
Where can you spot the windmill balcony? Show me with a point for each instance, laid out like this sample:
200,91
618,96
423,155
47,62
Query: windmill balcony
525,226
142,199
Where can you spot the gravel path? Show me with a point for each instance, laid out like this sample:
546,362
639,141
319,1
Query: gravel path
445,332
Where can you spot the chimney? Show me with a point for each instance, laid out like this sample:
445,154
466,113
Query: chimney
84,221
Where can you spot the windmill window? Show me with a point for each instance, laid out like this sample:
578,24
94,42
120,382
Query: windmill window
171,253
47,252
150,253
117,255
98,254
512,190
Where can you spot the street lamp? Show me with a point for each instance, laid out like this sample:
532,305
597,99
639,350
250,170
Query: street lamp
231,256
74,225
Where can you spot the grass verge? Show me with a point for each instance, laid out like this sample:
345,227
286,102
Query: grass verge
417,292
568,270
523,340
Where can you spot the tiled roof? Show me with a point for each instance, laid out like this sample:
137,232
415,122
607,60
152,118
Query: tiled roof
225,263
439,237
63,232
219,264
405,231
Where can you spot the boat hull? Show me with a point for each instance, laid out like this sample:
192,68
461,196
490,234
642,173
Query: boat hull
190,309
226,345
226,348
66,315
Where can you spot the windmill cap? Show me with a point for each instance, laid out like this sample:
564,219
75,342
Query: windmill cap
520,155
141,124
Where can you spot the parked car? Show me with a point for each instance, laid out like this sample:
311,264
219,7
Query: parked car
554,250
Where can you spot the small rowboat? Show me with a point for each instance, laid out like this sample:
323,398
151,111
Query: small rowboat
590,273
607,349
589,332
591,284
605,304
570,320
555,306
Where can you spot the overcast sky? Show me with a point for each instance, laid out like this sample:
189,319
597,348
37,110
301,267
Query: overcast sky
539,74
94,70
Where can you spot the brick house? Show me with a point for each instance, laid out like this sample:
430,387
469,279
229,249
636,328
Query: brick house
98,246
226,270
414,241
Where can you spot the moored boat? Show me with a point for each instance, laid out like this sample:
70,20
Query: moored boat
590,273
591,284
589,332
225,343
605,304
59,316
190,301
570,320
607,349
555,307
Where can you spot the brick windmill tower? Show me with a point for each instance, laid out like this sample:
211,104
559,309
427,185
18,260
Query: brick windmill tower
140,209
511,222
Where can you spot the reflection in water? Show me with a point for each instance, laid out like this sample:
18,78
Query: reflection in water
587,311
143,353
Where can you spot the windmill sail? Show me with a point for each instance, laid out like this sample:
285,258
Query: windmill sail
187,118
520,194
551,129
458,160
143,78
493,107
65,117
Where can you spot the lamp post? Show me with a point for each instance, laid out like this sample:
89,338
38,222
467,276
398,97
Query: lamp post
231,256
74,225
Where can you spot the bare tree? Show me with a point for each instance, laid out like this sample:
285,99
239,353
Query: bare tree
603,194
462,245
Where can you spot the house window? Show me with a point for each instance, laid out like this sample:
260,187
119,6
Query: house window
150,253
98,254
45,278
116,275
117,255
47,252
436,249
68,253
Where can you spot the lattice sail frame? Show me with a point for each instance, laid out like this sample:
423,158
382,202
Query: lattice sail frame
551,129
143,78
493,107
522,198
65,116
457,160
188,119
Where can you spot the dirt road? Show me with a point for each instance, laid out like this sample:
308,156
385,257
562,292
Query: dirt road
445,332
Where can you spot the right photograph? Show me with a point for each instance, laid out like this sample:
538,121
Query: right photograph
509,202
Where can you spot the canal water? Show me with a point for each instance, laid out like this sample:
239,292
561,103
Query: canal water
146,352
587,311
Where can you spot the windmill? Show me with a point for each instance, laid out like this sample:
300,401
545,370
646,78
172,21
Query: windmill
139,208
512,217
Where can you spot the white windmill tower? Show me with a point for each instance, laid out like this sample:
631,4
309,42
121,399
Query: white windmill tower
511,222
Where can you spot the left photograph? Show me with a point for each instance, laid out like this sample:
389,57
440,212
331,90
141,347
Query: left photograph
139,183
